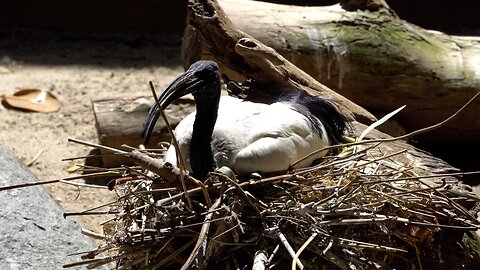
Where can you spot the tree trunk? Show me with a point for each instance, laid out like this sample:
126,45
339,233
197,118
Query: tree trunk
267,73
371,57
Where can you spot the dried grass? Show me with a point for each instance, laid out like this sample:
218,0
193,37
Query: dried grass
360,209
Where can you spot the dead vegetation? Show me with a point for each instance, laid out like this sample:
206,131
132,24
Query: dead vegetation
359,209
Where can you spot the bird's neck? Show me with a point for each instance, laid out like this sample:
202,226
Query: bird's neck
201,156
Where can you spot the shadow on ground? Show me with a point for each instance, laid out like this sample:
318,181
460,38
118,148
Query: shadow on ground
124,49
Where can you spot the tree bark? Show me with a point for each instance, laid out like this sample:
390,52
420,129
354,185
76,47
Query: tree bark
243,58
371,57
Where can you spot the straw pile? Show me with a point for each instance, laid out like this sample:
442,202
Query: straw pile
360,209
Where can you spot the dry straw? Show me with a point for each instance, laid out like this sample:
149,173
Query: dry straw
362,209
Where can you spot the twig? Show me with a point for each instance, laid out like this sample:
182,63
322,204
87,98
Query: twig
203,188
361,244
98,207
93,234
240,191
90,156
57,180
174,254
380,158
82,184
30,163
166,170
274,252
383,219
300,250
202,236
419,177
106,148
289,248
101,261
260,261
91,213
213,220
175,143
417,253
163,145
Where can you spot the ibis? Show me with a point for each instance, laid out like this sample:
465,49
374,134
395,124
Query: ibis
245,136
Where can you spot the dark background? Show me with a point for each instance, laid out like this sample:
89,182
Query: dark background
451,16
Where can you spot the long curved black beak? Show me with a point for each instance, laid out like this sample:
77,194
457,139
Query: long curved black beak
189,82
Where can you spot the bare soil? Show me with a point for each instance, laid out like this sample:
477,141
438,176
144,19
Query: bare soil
76,68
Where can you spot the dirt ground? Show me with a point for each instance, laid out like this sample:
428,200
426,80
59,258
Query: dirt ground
76,68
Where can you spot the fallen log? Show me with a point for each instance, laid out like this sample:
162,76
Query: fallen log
119,119
369,56
239,54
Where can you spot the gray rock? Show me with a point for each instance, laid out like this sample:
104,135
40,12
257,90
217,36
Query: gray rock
33,232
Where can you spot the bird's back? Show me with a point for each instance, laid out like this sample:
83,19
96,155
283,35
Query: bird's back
250,137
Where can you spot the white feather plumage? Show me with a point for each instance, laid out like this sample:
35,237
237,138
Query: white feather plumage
254,137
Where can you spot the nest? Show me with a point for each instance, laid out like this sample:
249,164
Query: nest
360,209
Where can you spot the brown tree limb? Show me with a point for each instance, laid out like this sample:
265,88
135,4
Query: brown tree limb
269,71
165,169
367,54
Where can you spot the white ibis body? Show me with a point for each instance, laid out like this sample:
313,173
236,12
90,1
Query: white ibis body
245,136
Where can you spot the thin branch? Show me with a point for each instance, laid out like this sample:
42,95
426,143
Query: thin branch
106,148
57,180
302,248
175,143
290,250
203,235
83,185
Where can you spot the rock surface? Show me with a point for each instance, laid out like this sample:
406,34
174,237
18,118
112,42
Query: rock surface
34,234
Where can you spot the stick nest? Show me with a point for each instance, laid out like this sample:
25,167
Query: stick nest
360,209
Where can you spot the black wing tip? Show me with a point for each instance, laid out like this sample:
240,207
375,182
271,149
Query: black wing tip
324,110
333,120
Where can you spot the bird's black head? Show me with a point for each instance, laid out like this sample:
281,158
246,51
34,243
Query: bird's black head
206,74
202,80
